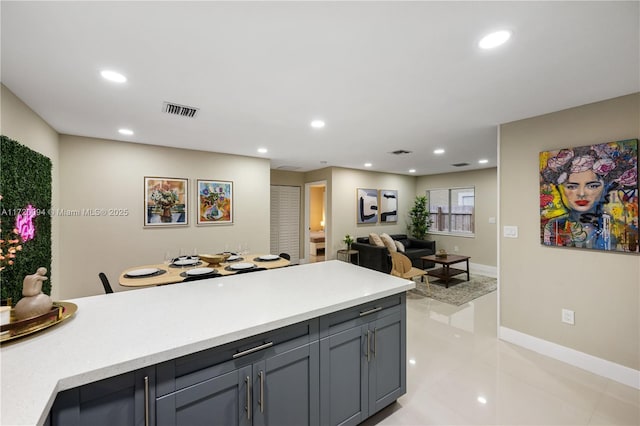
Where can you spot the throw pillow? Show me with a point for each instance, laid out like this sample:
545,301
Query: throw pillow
388,242
374,239
400,246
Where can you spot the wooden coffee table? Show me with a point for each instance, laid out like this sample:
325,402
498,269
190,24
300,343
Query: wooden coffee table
446,272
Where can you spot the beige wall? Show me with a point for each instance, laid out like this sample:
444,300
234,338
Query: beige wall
536,282
482,248
21,123
96,173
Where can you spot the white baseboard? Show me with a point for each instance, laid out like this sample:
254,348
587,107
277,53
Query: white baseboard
487,271
602,367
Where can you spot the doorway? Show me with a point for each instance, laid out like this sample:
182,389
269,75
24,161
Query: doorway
316,224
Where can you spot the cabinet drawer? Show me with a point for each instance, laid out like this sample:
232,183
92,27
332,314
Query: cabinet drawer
358,315
195,368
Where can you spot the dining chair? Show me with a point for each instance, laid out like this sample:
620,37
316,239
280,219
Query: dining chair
401,267
285,256
105,283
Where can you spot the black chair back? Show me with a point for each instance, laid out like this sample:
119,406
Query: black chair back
105,283
246,271
285,256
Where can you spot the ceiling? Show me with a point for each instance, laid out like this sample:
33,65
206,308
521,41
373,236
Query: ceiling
384,76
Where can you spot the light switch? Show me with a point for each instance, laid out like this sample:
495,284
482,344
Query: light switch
510,231
492,220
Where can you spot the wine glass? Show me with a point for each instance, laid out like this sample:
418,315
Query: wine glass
168,257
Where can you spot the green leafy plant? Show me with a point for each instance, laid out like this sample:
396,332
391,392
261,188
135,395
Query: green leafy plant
348,240
419,218
25,179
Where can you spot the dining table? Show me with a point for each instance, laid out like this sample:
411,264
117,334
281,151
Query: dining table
180,270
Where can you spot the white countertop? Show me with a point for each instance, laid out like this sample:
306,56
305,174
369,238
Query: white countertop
116,333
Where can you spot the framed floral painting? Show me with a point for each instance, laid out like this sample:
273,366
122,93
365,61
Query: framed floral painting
215,202
165,202
589,197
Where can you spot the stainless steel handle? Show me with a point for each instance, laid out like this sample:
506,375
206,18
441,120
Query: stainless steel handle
146,400
248,407
370,311
368,345
375,341
261,398
252,350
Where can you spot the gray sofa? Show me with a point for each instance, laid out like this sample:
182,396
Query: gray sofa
379,259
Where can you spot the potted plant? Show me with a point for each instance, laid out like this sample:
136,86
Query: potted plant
348,240
419,218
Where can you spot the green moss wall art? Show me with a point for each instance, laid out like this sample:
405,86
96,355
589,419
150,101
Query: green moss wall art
25,187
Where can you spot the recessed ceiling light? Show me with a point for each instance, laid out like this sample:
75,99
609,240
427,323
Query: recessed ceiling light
482,400
125,132
412,170
368,164
317,124
114,76
439,151
262,150
494,39
483,161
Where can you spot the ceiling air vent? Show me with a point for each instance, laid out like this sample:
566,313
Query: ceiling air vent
289,168
460,164
181,110
400,152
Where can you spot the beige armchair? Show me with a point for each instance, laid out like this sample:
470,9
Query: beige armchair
401,267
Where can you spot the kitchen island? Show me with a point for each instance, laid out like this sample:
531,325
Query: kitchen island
111,335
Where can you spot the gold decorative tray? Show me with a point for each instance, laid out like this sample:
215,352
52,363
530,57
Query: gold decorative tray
59,312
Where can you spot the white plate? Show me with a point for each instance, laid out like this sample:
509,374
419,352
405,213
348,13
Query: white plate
242,265
185,262
269,257
142,272
233,257
199,271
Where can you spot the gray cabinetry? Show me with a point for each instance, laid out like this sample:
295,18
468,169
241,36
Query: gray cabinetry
269,380
125,400
337,369
362,361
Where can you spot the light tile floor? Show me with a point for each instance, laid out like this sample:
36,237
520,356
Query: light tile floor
459,373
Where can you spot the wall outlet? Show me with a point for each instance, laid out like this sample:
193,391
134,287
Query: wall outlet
455,248
568,316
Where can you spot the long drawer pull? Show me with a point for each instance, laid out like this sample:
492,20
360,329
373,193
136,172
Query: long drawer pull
249,404
252,350
371,311
146,400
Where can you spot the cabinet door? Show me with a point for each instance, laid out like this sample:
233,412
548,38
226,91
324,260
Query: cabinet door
286,388
344,377
387,367
223,400
124,400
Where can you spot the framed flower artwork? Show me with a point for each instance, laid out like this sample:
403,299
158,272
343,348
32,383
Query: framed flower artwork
215,202
165,202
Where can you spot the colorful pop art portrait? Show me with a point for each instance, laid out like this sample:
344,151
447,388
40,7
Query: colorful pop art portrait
589,197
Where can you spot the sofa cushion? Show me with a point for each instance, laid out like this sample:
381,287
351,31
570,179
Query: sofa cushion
400,246
374,239
388,242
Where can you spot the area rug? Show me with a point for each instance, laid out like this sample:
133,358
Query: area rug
459,291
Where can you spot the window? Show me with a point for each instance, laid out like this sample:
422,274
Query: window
452,210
